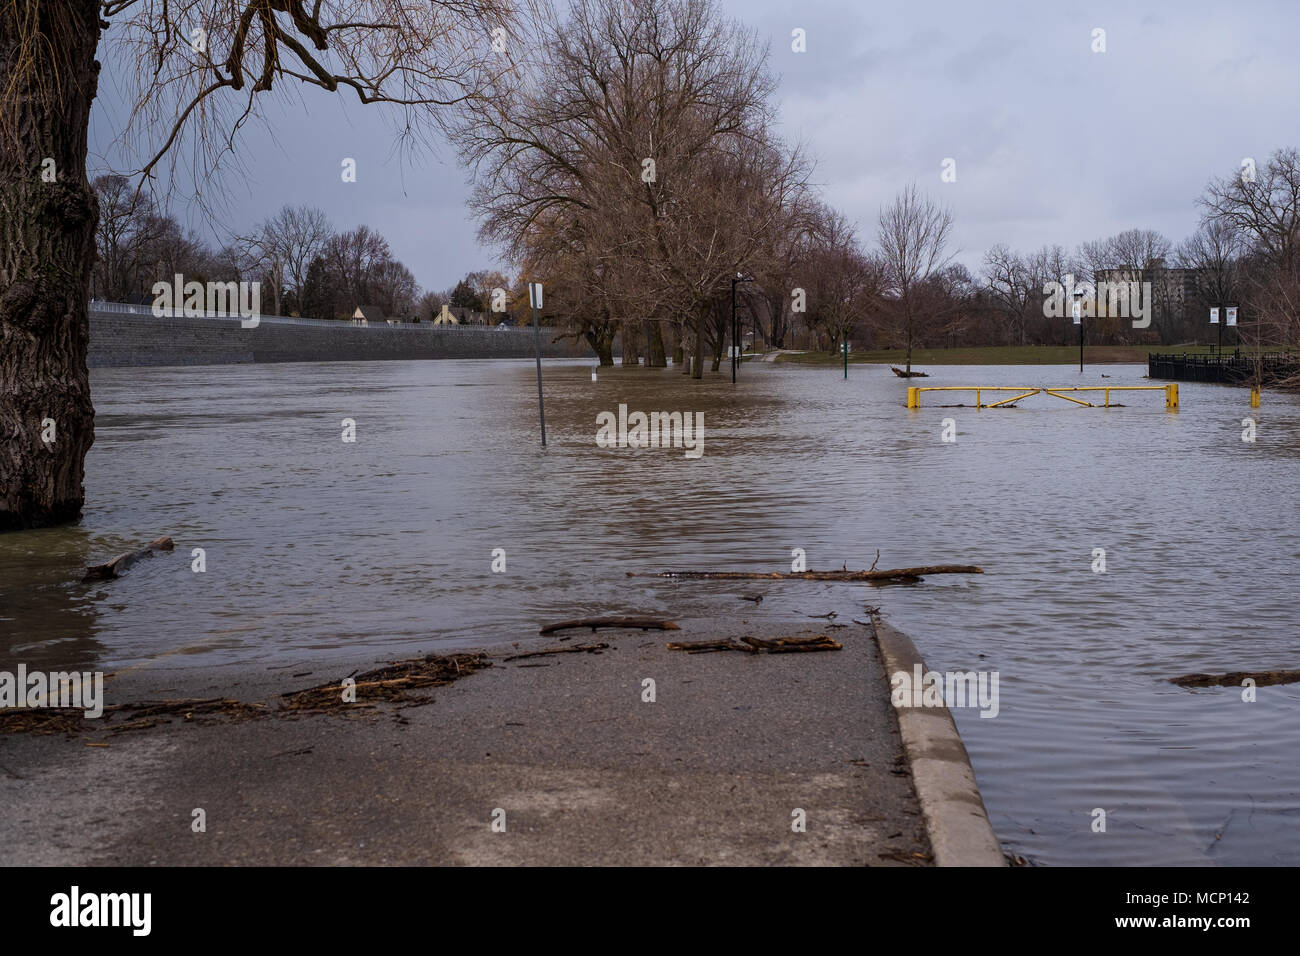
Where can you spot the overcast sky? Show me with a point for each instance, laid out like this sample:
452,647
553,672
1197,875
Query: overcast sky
1052,142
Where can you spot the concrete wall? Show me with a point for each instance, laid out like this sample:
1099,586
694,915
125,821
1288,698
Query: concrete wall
123,339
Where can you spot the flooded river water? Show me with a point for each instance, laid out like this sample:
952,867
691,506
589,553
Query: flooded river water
317,547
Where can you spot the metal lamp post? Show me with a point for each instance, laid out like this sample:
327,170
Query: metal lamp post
535,300
735,337
1078,320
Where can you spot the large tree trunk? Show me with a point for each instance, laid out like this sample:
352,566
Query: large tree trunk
655,356
278,273
721,332
48,78
602,343
697,366
631,345
679,344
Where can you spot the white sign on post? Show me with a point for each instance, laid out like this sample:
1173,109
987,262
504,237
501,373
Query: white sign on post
535,294
1214,316
1078,314
1232,316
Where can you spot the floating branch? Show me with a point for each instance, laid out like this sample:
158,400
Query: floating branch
643,623
790,645
896,574
574,649
1234,679
704,647
114,568
754,645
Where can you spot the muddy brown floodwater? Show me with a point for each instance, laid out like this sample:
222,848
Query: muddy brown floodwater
316,548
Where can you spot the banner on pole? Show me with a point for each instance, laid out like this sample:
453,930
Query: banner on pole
1214,316
1232,316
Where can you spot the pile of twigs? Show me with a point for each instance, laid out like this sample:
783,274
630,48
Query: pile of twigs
393,684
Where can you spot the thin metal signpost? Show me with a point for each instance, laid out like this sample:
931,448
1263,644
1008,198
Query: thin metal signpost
535,300
1230,316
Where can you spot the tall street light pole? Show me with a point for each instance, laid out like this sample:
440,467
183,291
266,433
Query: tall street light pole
535,300
1078,320
735,334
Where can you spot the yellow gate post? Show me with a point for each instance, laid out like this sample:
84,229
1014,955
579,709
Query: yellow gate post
1254,398
913,397
1171,395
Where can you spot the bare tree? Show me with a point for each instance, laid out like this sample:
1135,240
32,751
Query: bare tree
841,283
1213,253
633,164
393,288
119,236
913,236
1138,249
1011,286
787,254
292,238
1263,211
1263,208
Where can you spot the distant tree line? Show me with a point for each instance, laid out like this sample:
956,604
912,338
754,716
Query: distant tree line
304,265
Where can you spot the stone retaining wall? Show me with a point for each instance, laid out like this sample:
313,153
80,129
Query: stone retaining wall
124,339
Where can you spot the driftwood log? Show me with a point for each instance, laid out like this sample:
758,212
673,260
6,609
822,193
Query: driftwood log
705,647
787,645
114,568
643,623
1234,679
896,574
754,645
572,649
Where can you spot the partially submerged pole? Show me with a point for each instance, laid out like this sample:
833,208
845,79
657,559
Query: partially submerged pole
734,350
535,299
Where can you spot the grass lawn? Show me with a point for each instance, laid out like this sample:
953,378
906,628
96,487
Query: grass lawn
1005,355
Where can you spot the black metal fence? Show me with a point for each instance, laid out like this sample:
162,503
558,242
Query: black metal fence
1231,368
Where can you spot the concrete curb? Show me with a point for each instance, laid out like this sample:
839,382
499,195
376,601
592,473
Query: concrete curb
958,825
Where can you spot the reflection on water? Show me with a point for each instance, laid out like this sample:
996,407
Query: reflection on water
317,547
